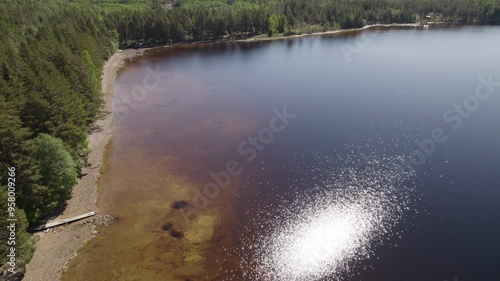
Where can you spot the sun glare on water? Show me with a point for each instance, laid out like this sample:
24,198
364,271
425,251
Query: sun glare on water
326,233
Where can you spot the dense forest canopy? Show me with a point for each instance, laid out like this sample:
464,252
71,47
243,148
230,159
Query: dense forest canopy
179,20
50,67
52,53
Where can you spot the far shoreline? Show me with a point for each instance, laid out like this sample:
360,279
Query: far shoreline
262,36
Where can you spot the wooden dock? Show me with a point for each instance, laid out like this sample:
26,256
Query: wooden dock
60,222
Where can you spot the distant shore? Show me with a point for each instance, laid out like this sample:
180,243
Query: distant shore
264,37
281,37
59,245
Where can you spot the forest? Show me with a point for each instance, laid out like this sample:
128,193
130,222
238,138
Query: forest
52,53
193,20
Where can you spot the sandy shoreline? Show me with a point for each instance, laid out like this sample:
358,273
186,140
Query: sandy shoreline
258,38
330,32
59,245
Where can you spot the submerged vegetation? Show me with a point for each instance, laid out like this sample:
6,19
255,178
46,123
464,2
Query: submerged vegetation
52,53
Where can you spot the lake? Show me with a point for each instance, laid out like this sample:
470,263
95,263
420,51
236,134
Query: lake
370,155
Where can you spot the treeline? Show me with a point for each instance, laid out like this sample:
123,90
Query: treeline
52,53
181,20
50,67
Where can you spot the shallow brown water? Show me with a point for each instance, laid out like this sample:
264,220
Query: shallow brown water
161,151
